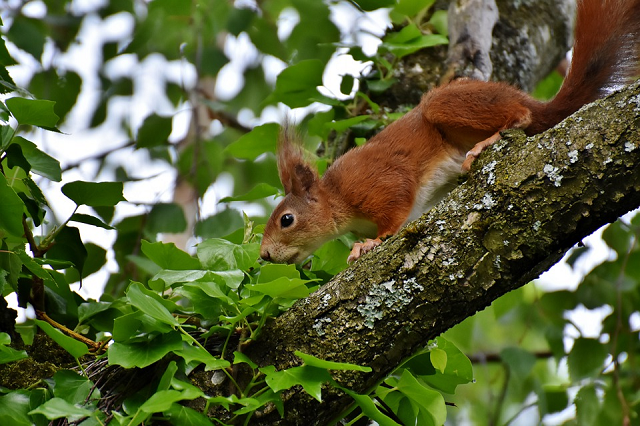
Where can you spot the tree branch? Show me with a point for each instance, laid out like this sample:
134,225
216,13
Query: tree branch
524,204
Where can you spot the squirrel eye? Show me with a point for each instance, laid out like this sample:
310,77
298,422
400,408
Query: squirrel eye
286,220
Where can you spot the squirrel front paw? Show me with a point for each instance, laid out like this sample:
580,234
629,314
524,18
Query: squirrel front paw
361,248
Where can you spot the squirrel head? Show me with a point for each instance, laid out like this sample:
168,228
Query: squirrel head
302,221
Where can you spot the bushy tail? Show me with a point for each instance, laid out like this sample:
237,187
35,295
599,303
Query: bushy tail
606,56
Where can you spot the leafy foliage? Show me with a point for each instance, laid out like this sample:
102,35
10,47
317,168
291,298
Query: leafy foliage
178,314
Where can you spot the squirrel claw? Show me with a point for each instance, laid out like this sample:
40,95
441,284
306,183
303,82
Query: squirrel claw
361,248
477,150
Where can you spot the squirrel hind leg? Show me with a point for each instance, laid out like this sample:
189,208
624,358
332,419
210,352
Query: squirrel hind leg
521,122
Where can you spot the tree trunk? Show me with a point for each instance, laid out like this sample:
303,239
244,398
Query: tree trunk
525,203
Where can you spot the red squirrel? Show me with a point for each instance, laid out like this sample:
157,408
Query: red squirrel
374,189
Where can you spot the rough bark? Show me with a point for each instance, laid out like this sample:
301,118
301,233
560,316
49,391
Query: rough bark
525,203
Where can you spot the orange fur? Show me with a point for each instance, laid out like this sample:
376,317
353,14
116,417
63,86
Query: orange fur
376,188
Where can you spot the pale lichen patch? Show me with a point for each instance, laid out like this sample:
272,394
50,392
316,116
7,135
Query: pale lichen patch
573,156
325,301
387,295
319,324
553,174
488,169
487,203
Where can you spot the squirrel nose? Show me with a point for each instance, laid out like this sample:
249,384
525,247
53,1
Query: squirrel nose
265,254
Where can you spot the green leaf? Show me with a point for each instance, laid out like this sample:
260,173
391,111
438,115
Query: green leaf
12,209
58,84
15,158
342,125
283,287
155,130
11,266
33,112
310,378
198,301
96,259
88,309
264,35
586,358
410,8
429,402
552,399
259,140
379,86
151,304
346,84
438,359
41,163
370,5
57,408
220,224
8,354
520,361
239,357
370,409
142,354
68,246
89,220
218,290
72,387
458,368
331,258
171,277
6,132
194,353
274,271
220,255
409,40
166,218
71,345
185,416
258,192
94,193
330,365
548,87
439,20
587,406
618,236
28,34
163,400
168,256
297,85
14,407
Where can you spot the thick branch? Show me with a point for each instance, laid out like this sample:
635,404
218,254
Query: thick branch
525,203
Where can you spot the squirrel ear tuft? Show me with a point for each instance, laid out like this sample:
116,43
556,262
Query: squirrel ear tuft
297,175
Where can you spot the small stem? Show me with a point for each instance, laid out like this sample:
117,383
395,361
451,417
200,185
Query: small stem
193,339
44,317
503,395
626,412
389,412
